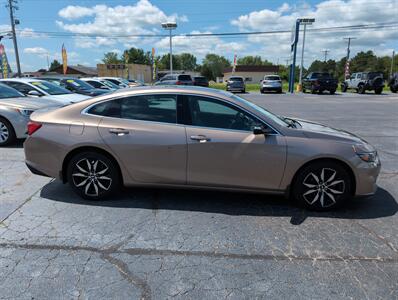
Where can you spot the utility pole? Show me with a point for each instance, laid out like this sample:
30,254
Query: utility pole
392,63
347,64
326,53
11,6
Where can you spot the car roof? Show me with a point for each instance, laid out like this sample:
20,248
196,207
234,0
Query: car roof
24,80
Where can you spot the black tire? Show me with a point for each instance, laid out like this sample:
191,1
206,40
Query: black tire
279,91
244,91
344,88
313,90
332,92
261,91
84,175
378,91
7,133
392,89
361,89
304,90
315,193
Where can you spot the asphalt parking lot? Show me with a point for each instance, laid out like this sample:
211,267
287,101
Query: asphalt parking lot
158,244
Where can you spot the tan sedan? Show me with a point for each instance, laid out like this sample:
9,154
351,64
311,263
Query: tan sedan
197,138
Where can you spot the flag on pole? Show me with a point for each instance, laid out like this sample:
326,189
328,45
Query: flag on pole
126,61
64,59
234,65
153,65
347,69
5,69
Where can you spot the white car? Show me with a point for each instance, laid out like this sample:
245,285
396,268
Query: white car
101,83
39,88
271,83
121,82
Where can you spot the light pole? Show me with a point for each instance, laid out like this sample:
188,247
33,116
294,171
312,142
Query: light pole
170,26
305,21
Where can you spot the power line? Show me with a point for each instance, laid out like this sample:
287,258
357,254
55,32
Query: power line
326,51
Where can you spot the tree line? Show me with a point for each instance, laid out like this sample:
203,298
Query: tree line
213,65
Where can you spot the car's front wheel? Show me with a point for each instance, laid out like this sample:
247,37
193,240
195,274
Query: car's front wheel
322,186
93,175
378,91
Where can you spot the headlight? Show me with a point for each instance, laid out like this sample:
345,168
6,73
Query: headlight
25,112
365,152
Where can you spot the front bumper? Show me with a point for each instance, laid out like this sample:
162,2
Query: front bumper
366,177
235,88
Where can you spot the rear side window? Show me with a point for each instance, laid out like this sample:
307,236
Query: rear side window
95,84
236,79
156,108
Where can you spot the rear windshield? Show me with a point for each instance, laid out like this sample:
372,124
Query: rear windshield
202,79
272,78
7,92
236,79
49,88
185,78
321,75
78,84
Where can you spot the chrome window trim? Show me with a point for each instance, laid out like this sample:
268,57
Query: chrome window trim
85,111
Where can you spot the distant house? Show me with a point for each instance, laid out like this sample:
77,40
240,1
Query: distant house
129,71
78,71
251,74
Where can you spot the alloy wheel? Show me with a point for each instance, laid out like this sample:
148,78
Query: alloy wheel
324,187
4,133
91,176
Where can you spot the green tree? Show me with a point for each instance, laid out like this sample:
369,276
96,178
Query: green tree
164,62
187,61
111,58
213,66
253,61
55,64
138,56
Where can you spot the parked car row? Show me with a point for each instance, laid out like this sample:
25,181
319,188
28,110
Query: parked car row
20,97
183,79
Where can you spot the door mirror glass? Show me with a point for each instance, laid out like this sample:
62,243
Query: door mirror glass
34,93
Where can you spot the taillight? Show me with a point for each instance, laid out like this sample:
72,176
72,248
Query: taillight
178,83
33,127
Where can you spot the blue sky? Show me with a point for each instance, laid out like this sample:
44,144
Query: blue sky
122,18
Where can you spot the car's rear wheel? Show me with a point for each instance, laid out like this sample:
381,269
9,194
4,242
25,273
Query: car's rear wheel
322,186
332,92
392,89
7,133
93,175
344,88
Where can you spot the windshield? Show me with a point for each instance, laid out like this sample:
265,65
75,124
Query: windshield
78,84
110,84
321,75
200,79
7,92
263,111
240,79
272,78
49,88
185,77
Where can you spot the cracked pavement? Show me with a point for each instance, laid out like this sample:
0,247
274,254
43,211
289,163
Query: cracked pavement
159,244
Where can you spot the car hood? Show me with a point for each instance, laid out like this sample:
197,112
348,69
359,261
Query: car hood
69,98
29,103
316,130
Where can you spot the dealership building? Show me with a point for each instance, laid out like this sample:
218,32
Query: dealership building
251,74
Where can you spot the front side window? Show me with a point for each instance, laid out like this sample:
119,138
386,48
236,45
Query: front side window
156,108
20,87
7,92
208,112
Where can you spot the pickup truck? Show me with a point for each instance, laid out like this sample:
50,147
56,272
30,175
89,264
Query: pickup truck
319,82
364,81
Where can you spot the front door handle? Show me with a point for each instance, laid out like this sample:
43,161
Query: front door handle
119,131
200,138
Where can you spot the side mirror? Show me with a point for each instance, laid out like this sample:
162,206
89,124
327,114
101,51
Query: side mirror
262,130
34,93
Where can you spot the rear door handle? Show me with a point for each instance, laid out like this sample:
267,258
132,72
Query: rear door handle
200,138
119,131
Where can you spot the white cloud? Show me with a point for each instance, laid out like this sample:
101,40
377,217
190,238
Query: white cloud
119,22
330,13
35,50
200,46
22,33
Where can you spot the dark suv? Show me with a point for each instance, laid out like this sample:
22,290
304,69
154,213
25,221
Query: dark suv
236,84
200,81
364,81
319,82
393,83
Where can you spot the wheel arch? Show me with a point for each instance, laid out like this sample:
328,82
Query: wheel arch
342,163
78,150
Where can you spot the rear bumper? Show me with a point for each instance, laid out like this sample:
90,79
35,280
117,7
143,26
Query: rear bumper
271,88
34,170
